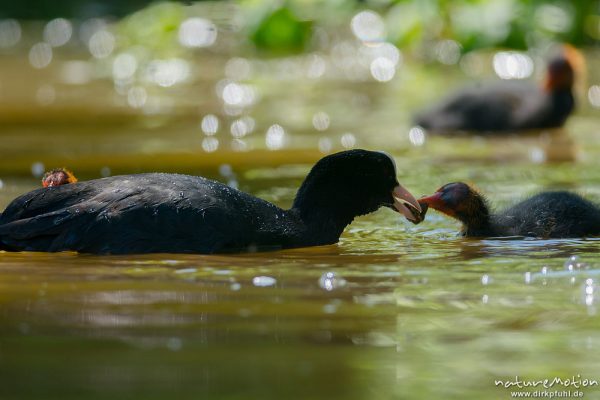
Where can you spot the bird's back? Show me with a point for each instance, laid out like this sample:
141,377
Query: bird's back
135,214
552,215
496,107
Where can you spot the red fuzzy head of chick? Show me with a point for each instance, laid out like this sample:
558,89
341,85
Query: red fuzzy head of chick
57,177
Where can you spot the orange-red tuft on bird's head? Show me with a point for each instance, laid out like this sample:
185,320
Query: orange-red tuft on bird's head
564,68
575,58
57,177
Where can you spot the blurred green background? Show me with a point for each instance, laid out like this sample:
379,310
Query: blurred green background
473,23
112,78
252,93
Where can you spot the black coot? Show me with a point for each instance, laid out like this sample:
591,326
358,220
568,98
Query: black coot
149,213
509,106
546,215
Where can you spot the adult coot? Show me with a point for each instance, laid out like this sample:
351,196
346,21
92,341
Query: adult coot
546,215
509,105
57,177
150,213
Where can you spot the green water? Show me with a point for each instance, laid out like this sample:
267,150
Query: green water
412,312
394,311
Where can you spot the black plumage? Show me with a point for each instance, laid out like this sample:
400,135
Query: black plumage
556,214
149,213
507,105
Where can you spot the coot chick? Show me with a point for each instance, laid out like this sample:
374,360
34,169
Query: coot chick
57,177
509,105
557,214
169,213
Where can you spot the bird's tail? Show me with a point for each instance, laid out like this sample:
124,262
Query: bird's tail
1,244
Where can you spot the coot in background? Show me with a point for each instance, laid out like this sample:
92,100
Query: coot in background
557,214
510,105
149,213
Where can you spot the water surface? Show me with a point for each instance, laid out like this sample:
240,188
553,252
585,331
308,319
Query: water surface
394,311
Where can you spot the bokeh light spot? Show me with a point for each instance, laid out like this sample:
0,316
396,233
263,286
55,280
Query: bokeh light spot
316,67
210,144
383,69
10,33
40,55
512,65
58,32
594,96
124,66
416,136
348,140
320,121
368,26
38,169
197,32
167,73
101,44
237,68
448,52
325,145
554,18
275,137
235,94
209,124
137,97
239,129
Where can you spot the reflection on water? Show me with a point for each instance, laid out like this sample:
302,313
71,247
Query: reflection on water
394,311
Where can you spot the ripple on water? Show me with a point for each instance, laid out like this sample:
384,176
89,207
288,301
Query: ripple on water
264,281
574,263
423,290
331,281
